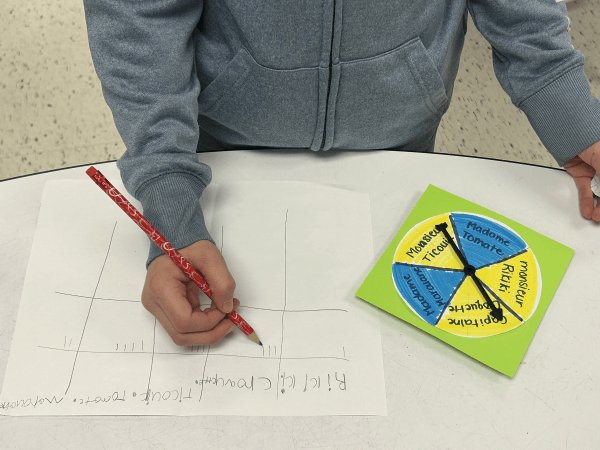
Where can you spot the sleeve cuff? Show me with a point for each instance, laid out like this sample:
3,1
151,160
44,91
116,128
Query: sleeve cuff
171,203
565,115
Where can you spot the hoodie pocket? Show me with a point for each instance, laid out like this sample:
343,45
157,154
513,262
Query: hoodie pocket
387,100
252,105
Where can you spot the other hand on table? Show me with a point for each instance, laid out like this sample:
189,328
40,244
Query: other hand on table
582,168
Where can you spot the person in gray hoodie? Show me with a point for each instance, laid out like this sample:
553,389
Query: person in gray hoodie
183,76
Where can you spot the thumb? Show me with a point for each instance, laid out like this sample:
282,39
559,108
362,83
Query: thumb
207,259
591,156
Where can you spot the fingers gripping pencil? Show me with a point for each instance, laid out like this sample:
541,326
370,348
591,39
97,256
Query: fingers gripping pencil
165,246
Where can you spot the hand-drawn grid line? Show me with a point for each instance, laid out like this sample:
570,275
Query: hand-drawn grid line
151,364
98,298
208,350
284,299
240,307
90,308
225,355
153,352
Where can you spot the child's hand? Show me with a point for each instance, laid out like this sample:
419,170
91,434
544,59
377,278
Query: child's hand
172,297
582,168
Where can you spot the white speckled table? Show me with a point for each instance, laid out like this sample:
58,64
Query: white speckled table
437,397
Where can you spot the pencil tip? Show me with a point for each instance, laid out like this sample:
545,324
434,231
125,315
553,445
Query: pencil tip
260,343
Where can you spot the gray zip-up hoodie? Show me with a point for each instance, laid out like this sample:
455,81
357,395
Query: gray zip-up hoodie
187,75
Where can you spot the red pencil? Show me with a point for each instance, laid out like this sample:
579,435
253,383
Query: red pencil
165,246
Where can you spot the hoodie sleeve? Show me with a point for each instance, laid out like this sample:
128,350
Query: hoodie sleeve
537,66
143,53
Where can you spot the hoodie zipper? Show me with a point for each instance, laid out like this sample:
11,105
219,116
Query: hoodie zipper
328,80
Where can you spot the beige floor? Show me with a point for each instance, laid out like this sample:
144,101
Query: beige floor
53,115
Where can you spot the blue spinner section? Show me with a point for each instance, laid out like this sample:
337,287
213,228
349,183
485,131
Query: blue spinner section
483,241
426,291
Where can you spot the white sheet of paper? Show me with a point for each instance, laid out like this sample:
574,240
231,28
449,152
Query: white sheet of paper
84,344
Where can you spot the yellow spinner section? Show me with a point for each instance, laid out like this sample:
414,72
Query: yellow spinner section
424,245
468,314
516,281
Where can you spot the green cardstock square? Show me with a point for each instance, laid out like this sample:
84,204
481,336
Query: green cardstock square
502,352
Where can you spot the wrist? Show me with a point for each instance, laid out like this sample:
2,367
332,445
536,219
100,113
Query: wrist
171,203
